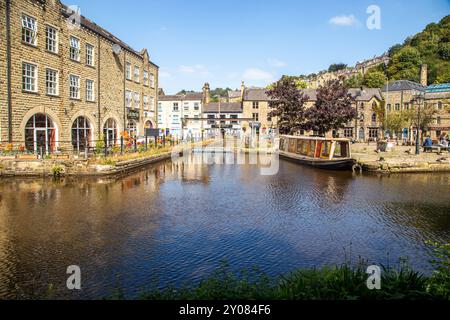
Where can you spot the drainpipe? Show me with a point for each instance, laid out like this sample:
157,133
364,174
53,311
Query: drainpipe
98,89
8,69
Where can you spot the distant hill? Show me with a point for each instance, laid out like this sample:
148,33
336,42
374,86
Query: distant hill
431,46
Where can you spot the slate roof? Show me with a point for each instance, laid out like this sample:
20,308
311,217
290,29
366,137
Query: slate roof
225,107
193,96
170,98
404,85
256,94
234,94
436,88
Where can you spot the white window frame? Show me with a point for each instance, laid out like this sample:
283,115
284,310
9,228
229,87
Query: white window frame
73,49
90,92
128,96
146,79
137,100
152,80
152,104
29,29
145,102
90,55
34,78
51,41
137,74
128,71
77,89
55,82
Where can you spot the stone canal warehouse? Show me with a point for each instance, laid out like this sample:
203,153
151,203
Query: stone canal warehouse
64,84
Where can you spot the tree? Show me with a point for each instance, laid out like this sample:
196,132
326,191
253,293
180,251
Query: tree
298,80
375,79
333,108
288,106
336,67
396,121
355,81
405,64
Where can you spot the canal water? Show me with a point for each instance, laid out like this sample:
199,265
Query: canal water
174,223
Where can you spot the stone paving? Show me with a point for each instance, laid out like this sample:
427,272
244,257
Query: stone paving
400,159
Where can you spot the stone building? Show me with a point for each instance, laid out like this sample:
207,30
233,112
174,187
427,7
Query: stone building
438,97
64,84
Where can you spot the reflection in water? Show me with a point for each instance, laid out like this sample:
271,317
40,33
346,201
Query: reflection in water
174,223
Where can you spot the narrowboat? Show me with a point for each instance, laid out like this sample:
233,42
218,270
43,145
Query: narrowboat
333,154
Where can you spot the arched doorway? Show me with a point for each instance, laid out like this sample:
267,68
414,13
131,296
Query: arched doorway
40,134
148,125
110,132
81,134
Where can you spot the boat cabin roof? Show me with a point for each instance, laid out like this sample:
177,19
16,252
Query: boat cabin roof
316,138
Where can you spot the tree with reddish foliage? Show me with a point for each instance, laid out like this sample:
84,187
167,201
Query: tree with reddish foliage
288,105
332,110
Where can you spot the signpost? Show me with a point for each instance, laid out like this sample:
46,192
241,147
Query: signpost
151,133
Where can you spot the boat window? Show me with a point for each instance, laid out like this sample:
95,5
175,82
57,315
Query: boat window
325,150
312,148
292,145
341,150
282,148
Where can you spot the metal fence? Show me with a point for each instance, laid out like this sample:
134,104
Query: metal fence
93,148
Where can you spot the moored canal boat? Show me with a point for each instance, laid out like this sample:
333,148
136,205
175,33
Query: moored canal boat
333,154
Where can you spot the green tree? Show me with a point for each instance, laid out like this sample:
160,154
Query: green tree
355,81
374,79
298,81
336,67
405,64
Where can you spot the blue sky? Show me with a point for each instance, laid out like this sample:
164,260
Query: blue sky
256,41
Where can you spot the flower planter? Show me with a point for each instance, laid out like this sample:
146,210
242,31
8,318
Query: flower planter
28,157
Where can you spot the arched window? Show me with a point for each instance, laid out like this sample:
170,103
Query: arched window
374,117
110,132
374,105
148,125
81,134
40,134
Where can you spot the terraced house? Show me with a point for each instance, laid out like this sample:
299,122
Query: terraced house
67,82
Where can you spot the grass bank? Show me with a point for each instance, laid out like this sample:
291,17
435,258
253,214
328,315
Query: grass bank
337,283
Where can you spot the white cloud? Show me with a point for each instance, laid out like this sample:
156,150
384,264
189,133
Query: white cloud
276,63
257,74
344,20
196,69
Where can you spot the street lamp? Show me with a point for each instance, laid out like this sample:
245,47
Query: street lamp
418,99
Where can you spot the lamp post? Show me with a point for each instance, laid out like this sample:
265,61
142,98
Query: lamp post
418,99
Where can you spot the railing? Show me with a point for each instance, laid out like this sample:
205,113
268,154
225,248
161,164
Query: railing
68,149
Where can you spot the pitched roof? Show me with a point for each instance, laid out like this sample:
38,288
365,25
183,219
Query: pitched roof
403,85
193,96
170,98
445,87
256,94
225,107
438,91
234,94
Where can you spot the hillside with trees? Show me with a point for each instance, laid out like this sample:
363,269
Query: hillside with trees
431,47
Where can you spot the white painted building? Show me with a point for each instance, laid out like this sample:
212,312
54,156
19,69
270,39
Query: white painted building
177,114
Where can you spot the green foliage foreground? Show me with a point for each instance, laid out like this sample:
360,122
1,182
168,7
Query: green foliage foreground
338,283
